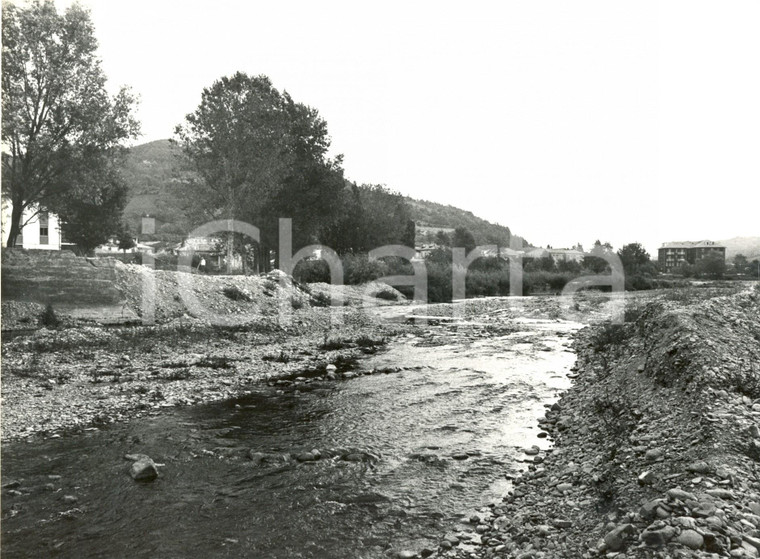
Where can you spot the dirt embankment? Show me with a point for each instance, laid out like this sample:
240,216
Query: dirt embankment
657,444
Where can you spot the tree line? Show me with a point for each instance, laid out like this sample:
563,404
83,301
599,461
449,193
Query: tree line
257,154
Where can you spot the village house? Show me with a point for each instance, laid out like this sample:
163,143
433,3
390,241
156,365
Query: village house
40,230
672,255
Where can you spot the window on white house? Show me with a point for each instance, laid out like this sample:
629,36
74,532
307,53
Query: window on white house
44,237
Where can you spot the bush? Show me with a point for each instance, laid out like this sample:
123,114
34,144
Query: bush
312,271
48,318
358,268
320,299
236,294
609,335
638,282
386,295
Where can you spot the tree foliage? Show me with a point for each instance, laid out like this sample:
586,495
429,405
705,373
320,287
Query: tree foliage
260,156
595,261
462,237
58,121
371,216
635,259
712,265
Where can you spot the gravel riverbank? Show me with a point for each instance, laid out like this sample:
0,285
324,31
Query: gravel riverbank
657,444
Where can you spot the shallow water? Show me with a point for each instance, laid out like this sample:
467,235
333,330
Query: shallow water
473,396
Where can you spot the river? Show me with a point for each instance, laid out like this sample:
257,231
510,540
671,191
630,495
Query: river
407,454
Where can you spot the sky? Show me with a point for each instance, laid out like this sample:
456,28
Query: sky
566,121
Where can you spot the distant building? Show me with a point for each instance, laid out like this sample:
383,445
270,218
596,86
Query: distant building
566,254
672,255
40,231
148,225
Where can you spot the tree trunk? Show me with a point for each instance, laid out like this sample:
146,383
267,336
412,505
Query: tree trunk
230,252
17,212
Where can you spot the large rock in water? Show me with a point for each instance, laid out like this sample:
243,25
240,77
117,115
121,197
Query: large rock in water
143,470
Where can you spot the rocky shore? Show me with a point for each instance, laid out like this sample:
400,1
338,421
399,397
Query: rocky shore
657,444
80,376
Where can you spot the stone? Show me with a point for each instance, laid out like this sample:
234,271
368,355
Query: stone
704,509
677,493
686,522
646,478
70,499
724,494
691,539
564,487
699,467
714,522
614,540
136,457
658,538
143,470
754,542
406,554
305,457
648,510
532,451
460,456
653,454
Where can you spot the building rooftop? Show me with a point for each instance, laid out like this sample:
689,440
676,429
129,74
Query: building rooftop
692,244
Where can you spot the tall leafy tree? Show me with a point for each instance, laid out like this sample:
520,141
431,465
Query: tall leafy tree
58,121
370,216
259,155
463,238
635,259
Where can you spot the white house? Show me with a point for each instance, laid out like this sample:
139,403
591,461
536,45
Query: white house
41,231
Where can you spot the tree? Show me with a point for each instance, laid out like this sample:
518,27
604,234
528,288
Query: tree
741,264
88,220
124,238
442,239
260,156
635,259
595,261
58,121
371,216
463,238
712,265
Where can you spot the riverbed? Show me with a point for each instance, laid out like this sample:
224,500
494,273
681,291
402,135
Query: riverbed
417,439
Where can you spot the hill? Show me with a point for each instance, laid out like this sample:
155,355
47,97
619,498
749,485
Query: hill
748,246
155,172
433,216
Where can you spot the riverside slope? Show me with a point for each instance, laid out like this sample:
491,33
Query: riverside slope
656,445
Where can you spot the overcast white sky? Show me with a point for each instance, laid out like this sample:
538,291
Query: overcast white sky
566,121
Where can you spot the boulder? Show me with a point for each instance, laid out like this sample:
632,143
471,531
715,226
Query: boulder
143,469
